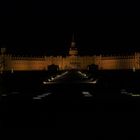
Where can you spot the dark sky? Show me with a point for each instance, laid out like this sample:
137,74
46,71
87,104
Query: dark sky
7,7
40,27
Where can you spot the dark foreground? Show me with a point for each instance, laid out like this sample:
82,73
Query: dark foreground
26,101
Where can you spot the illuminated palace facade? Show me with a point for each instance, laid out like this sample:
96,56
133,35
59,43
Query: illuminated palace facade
72,61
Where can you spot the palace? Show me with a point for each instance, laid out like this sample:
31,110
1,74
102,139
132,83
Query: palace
72,61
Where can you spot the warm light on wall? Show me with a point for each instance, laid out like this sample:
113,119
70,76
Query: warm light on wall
104,62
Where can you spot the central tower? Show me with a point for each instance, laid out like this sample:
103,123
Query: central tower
73,60
73,50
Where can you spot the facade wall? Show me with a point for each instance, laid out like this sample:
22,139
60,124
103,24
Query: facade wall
116,63
27,65
70,62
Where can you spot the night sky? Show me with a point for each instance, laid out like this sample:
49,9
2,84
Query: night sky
46,28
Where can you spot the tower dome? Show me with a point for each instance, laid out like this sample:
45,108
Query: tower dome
73,50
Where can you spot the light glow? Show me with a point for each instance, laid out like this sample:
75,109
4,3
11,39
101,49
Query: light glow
86,94
94,82
44,83
39,97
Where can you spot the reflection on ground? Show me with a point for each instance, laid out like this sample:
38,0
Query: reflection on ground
30,95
